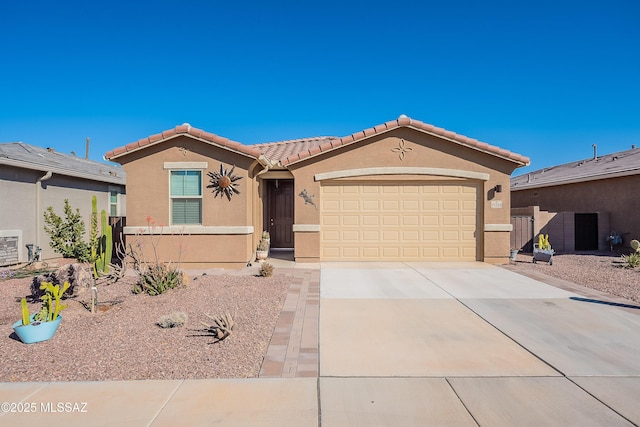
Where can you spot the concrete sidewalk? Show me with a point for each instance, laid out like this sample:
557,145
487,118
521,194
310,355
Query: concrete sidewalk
398,344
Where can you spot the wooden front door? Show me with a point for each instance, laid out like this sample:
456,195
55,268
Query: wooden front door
280,213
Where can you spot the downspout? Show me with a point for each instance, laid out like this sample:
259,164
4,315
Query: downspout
266,165
38,186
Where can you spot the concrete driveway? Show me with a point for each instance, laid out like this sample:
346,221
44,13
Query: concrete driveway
469,343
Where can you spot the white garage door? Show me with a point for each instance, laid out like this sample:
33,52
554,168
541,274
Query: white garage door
395,221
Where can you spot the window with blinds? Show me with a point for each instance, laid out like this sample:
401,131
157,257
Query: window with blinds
186,197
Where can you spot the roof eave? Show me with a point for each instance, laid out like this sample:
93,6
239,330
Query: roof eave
61,171
188,131
521,161
576,180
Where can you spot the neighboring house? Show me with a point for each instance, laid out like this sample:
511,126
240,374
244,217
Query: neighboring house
580,204
34,178
402,190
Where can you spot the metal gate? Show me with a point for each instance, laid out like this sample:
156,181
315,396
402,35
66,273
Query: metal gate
522,233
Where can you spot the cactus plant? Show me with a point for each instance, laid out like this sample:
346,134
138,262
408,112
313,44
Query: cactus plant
106,243
543,242
25,312
101,242
51,301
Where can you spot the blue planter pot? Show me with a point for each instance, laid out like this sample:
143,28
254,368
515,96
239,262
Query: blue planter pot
36,332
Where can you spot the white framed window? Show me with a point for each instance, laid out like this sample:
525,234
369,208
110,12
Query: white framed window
113,203
186,197
114,200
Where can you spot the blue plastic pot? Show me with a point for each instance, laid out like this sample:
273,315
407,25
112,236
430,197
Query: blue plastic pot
36,331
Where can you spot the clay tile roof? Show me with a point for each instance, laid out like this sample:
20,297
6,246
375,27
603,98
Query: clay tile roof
622,163
404,121
184,129
276,151
284,153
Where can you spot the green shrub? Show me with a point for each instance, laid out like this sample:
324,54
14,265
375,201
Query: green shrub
67,235
633,260
157,279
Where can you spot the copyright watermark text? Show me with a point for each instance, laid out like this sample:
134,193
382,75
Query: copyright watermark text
47,407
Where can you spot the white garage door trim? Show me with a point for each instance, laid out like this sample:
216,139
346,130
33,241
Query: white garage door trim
453,173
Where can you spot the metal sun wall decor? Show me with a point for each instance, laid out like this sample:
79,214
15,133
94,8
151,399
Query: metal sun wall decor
401,149
224,182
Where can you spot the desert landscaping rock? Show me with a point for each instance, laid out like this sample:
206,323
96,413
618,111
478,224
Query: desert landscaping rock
125,343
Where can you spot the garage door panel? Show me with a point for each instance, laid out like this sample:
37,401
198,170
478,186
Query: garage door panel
390,189
410,205
428,220
351,236
431,205
371,252
390,205
411,235
330,220
450,220
331,236
410,220
406,221
371,236
350,220
389,236
450,235
371,205
392,252
391,220
450,205
330,205
371,220
350,205
410,252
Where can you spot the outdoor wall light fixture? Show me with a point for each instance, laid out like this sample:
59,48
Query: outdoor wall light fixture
498,188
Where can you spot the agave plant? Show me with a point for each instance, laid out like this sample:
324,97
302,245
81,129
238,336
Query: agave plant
224,182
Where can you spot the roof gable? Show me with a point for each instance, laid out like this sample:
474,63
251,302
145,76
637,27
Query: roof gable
404,121
184,129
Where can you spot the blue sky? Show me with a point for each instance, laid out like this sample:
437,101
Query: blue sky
546,79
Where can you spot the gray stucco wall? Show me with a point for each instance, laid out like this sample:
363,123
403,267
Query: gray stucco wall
23,203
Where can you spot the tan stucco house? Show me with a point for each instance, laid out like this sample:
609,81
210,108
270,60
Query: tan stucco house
582,203
401,190
33,178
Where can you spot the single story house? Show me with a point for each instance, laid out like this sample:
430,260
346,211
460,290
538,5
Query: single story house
401,190
581,204
33,178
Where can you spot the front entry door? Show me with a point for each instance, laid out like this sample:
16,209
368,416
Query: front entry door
280,213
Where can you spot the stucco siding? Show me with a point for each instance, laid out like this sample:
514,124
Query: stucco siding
617,196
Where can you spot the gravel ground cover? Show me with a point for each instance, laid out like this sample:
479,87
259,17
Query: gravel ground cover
125,343
603,271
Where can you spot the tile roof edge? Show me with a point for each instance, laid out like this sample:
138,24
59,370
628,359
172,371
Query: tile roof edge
184,129
404,121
